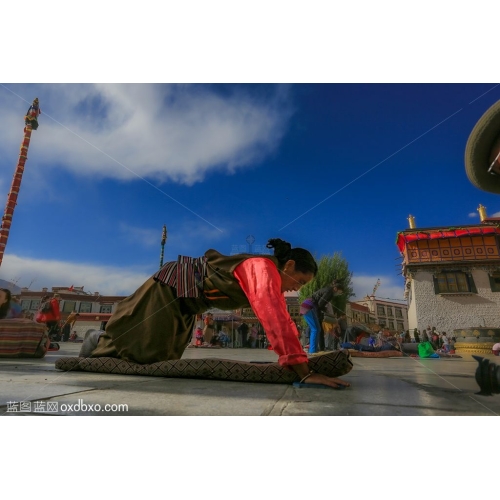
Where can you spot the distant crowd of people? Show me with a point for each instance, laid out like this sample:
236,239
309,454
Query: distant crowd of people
210,333
440,341
48,312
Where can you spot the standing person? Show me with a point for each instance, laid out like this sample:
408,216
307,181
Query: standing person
5,299
313,310
416,335
197,338
198,335
434,338
445,343
50,314
208,329
243,331
68,325
331,329
155,323
253,334
342,322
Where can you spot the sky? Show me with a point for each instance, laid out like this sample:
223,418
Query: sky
327,167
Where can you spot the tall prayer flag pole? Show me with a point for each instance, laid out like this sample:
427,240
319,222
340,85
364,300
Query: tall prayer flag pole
31,123
163,240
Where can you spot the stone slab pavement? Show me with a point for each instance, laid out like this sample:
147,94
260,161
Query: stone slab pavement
379,387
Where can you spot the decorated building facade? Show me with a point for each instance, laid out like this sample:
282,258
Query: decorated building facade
452,280
94,309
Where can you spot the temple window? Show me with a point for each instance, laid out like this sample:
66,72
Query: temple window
454,282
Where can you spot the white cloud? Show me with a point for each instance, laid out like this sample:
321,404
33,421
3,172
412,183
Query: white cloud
107,280
496,214
390,287
473,215
114,280
161,132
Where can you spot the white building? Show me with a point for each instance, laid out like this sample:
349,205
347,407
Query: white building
94,309
386,313
452,278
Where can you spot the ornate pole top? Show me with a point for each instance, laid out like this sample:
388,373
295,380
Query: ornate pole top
411,221
31,117
482,212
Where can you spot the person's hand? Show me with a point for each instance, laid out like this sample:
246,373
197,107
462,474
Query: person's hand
316,378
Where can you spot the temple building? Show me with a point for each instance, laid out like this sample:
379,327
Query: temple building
94,309
452,280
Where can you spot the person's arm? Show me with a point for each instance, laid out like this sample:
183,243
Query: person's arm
322,297
260,281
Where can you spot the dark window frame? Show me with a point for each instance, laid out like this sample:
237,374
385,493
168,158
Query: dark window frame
494,285
85,304
69,306
464,282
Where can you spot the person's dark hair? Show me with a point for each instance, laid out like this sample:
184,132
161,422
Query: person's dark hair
4,308
283,251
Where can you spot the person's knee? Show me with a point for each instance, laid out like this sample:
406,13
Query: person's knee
90,342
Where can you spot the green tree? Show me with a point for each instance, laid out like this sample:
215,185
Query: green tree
330,268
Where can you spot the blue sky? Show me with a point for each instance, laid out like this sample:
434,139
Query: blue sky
328,167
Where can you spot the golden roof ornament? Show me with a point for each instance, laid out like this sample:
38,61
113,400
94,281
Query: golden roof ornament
482,212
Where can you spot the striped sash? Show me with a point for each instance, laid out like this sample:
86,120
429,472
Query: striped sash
186,275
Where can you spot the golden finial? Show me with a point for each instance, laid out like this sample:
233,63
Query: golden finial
411,221
482,212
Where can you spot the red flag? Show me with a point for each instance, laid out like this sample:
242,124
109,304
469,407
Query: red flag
70,289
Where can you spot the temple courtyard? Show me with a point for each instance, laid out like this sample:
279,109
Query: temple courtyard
379,387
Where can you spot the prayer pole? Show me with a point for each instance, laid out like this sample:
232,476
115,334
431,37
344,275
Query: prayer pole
31,123
163,240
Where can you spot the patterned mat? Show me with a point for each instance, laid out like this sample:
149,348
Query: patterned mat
333,364
380,354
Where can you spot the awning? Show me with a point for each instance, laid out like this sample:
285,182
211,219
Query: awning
221,315
404,237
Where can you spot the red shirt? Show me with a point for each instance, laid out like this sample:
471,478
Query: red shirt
53,315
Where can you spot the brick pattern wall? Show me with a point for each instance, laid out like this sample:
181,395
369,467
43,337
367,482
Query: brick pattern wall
449,312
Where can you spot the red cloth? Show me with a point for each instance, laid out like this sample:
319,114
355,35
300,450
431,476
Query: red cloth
259,278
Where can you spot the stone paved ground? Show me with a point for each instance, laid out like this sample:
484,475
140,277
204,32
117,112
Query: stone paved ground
379,387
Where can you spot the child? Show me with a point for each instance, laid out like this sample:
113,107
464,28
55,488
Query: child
199,336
